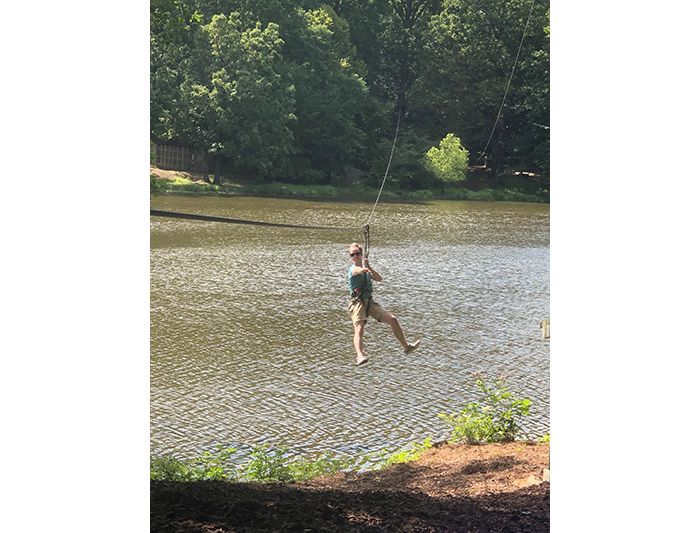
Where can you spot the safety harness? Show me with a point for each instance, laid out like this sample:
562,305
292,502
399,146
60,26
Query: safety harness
357,291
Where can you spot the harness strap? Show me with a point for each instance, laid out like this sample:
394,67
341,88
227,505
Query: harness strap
358,291
358,298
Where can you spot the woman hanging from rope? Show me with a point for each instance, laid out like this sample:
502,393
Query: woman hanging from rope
362,306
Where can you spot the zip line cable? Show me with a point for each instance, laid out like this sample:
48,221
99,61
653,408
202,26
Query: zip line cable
365,228
391,155
527,22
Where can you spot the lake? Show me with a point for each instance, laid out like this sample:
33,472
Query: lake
251,343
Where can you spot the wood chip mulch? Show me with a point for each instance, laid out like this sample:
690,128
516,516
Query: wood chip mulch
487,488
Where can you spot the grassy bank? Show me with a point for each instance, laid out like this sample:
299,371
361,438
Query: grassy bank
269,463
181,184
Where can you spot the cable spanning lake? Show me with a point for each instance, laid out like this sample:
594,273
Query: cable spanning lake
250,341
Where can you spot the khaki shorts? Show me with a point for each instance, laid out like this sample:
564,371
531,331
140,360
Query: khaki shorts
356,310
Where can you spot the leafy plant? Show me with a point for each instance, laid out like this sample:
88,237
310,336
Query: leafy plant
210,465
493,419
268,464
216,465
449,161
168,468
326,464
411,454
157,185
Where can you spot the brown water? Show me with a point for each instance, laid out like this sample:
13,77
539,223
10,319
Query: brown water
250,341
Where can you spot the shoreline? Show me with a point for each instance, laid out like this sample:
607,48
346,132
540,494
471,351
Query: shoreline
451,487
184,184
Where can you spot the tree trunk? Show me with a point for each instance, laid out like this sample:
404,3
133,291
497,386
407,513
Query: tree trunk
217,170
205,166
497,161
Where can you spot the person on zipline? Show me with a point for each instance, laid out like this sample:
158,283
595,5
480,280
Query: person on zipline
362,306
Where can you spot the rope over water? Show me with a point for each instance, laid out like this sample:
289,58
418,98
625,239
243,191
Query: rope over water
190,216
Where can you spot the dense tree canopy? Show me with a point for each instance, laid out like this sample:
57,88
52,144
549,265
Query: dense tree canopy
310,91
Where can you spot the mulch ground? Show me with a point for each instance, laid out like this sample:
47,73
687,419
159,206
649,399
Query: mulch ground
494,488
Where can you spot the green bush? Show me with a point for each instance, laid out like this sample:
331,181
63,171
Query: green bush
324,465
411,454
157,185
267,463
449,161
210,465
168,468
494,419
216,466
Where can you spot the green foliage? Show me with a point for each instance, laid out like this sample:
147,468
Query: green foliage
157,185
413,453
407,170
252,98
181,185
307,92
493,419
449,161
216,465
270,464
324,465
168,468
209,466
267,463
544,438
466,64
332,101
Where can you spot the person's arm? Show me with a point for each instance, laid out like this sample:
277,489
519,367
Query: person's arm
358,270
376,276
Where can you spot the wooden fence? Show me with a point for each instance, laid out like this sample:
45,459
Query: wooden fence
178,158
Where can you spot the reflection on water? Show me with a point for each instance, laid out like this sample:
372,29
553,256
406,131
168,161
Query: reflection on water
250,341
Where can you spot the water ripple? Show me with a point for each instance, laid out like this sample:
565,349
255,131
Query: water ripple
250,342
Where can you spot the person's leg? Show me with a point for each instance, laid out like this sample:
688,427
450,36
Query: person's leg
357,341
388,318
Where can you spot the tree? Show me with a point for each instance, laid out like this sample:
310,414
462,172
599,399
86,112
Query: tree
365,20
448,162
252,98
173,23
403,39
318,59
467,62
307,90
331,100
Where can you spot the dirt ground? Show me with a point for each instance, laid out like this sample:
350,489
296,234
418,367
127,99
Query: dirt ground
494,488
196,177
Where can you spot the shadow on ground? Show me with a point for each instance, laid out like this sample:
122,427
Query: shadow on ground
451,488
214,506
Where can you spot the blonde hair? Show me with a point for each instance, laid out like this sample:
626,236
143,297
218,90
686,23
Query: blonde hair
355,245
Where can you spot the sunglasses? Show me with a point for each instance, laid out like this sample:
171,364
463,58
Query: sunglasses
353,254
